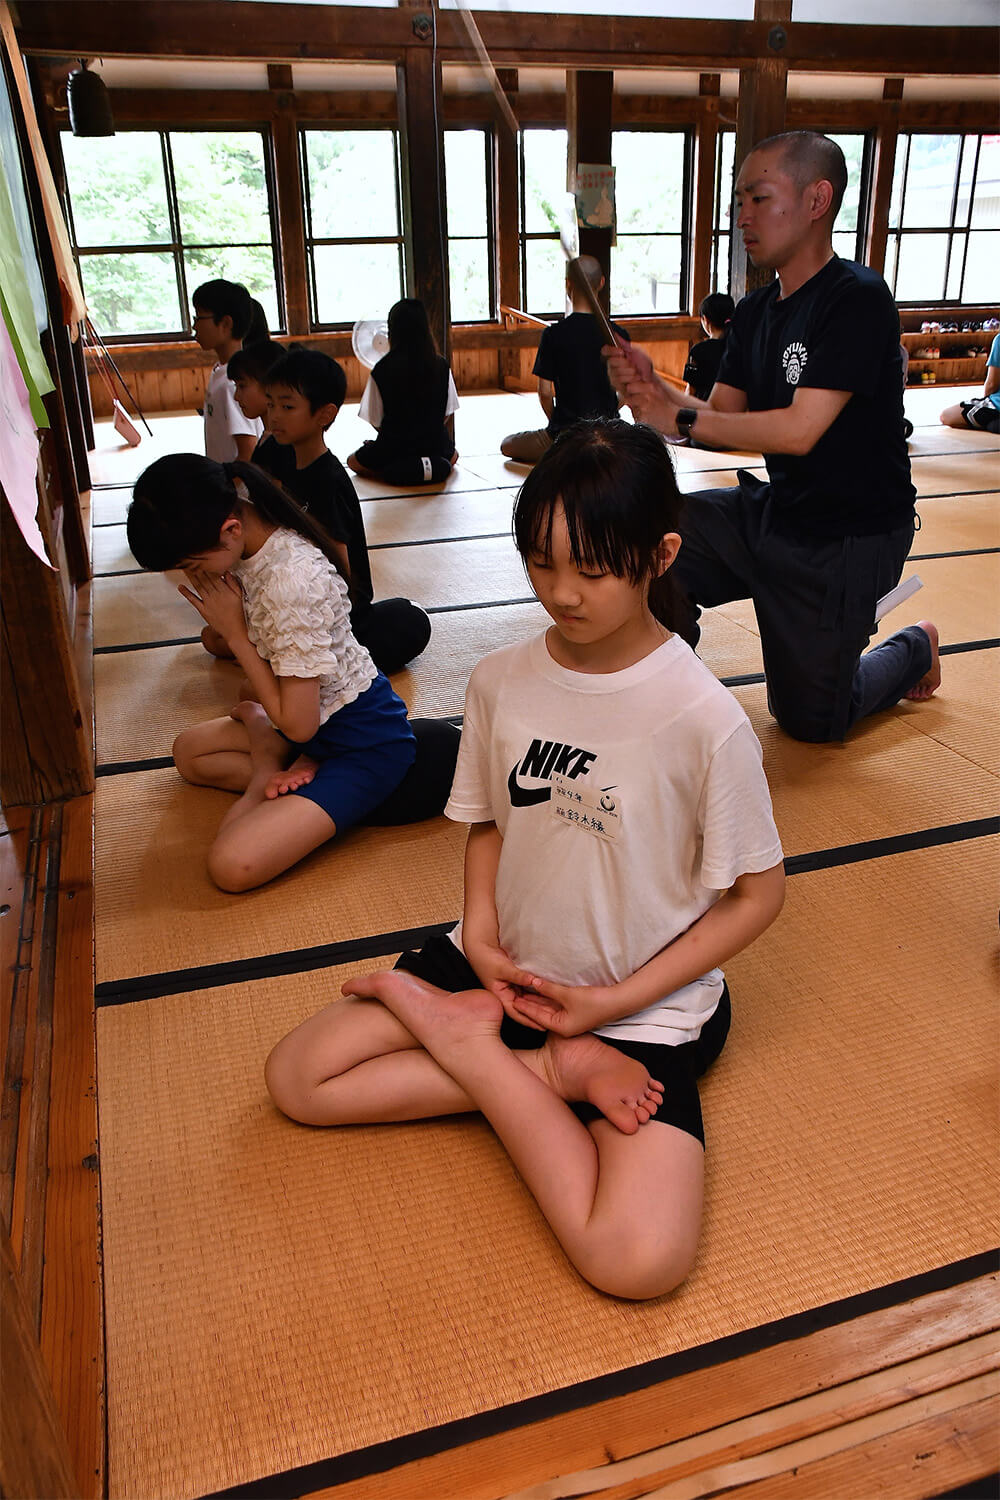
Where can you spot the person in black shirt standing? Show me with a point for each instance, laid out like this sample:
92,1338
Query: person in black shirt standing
811,377
572,378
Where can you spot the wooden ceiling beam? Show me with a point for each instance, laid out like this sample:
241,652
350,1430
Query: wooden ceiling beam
291,32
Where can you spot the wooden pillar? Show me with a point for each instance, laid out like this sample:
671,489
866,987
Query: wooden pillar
761,113
288,193
507,192
706,143
424,202
886,137
588,126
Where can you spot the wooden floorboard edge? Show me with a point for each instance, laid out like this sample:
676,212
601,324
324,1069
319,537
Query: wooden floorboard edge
687,1404
72,1326
827,1420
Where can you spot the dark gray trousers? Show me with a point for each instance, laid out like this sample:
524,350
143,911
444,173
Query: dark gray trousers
815,605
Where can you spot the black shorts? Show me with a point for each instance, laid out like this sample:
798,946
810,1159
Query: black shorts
981,415
678,1068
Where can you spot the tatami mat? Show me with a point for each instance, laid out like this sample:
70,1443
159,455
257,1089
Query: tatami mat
957,523
144,698
451,573
955,473
142,607
157,909
960,594
963,713
278,1295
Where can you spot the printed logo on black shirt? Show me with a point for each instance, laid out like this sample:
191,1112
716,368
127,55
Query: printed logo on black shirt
543,760
793,362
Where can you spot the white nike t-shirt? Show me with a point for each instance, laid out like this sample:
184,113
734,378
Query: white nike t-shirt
627,802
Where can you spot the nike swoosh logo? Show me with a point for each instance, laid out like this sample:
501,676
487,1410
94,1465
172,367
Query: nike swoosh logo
521,796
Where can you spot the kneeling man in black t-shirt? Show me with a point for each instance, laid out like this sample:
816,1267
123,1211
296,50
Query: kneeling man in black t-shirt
810,377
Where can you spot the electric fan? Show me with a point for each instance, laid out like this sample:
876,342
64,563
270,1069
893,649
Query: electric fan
370,340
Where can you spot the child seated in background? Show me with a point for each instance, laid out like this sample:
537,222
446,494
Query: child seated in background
247,370
409,397
223,314
704,358
305,390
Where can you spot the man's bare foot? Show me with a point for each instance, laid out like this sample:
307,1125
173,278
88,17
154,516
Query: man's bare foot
299,773
931,680
584,1067
433,1016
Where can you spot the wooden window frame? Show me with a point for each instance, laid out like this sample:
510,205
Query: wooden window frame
311,240
896,235
489,239
176,246
684,233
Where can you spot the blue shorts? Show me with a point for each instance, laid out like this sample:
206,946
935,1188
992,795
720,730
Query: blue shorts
364,750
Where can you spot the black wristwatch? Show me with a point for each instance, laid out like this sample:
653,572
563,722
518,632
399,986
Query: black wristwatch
685,419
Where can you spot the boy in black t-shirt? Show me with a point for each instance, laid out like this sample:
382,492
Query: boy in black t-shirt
305,390
572,379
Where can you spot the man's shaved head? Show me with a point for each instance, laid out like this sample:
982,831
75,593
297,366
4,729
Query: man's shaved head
591,268
809,157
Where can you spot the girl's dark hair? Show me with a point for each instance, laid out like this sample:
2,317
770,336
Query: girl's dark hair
257,328
410,334
255,359
181,503
616,485
717,308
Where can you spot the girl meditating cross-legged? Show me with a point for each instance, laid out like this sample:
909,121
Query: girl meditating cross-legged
621,847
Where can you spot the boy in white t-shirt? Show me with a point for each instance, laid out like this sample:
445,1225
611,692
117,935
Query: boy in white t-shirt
621,848
223,311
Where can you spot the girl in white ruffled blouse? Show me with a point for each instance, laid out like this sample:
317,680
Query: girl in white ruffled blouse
321,740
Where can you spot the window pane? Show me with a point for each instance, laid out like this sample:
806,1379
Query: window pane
544,181
465,181
132,293
726,159
898,171
352,183
356,281
930,185
117,189
953,291
646,274
853,147
965,173
846,245
981,267
986,205
468,280
720,271
649,180
545,277
920,277
253,267
221,187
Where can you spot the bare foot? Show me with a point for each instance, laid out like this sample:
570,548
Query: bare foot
269,751
299,773
931,680
584,1067
433,1016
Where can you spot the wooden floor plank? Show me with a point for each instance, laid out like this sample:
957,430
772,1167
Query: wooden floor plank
940,1454
72,1332
688,1404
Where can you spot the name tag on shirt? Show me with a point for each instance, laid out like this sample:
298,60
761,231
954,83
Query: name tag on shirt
588,808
